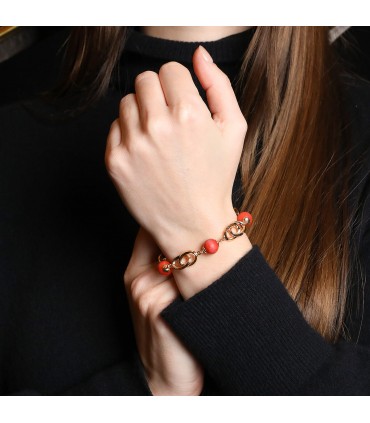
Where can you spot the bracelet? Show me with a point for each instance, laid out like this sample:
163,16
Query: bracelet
234,230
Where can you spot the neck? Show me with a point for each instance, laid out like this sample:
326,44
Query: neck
192,33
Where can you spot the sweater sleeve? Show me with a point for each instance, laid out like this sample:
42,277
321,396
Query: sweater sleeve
250,335
252,339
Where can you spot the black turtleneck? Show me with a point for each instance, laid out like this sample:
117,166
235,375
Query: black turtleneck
65,239
144,52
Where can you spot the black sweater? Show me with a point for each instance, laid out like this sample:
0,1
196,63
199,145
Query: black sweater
65,239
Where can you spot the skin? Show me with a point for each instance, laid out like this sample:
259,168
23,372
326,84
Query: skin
188,156
192,33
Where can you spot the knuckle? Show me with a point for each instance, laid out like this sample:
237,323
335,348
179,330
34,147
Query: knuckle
172,67
225,79
147,297
153,310
125,102
243,124
138,149
113,161
113,125
114,131
239,125
145,304
154,124
144,75
126,99
185,112
127,276
136,287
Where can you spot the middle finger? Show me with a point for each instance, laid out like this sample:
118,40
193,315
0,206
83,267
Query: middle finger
149,95
177,83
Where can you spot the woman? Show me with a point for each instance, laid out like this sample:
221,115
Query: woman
280,318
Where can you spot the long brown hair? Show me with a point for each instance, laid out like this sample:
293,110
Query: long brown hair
292,166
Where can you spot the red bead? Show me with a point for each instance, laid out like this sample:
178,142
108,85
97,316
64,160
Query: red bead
246,218
161,270
211,246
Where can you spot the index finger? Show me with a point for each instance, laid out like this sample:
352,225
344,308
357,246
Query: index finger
221,98
145,252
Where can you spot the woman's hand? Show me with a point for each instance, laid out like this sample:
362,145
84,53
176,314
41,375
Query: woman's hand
174,161
170,368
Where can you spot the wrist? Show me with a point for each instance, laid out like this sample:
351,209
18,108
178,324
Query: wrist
210,267
205,268
177,240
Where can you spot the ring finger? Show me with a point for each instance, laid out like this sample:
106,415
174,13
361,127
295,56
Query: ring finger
150,97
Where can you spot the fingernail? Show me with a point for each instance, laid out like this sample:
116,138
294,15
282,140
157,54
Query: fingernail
206,56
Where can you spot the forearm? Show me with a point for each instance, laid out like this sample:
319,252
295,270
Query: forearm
248,333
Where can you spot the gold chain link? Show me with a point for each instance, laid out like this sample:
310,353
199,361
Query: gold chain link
232,231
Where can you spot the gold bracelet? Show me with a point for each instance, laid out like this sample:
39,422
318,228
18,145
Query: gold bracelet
232,231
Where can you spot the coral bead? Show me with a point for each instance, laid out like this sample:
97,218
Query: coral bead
161,268
246,218
211,246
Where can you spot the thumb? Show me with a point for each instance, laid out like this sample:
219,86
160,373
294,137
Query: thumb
144,254
220,94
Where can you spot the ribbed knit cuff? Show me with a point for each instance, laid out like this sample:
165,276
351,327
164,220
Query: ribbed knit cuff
248,332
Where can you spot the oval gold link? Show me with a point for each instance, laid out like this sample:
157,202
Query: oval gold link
184,260
234,230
